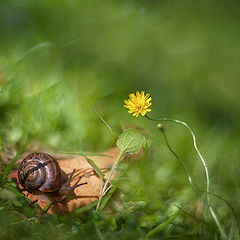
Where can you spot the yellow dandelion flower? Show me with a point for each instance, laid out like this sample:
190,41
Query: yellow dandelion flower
138,103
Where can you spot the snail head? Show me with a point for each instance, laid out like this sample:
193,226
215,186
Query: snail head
65,188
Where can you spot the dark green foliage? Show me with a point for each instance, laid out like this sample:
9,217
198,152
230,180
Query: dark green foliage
59,58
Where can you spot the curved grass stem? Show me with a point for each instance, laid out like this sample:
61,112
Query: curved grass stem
179,159
203,163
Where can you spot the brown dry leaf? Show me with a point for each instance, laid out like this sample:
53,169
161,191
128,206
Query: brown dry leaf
82,195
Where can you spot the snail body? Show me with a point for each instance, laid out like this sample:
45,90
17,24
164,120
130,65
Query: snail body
40,174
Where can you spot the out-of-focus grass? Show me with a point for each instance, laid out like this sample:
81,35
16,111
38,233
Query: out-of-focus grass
57,60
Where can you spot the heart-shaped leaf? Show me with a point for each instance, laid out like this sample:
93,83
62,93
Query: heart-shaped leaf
130,141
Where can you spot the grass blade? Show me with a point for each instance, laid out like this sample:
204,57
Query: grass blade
107,197
46,208
161,226
85,208
84,154
233,232
13,161
109,128
95,167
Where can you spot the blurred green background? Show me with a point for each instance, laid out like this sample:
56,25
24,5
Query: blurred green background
58,59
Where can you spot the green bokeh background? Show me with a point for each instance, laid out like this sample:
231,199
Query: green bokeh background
59,59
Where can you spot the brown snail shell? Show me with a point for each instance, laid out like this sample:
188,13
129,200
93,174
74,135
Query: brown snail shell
40,171
40,174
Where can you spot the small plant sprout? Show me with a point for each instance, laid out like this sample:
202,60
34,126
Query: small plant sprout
129,142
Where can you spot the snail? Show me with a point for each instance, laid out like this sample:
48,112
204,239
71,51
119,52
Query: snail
40,174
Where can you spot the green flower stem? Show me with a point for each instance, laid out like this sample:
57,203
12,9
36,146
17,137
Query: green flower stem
111,172
179,159
104,189
203,163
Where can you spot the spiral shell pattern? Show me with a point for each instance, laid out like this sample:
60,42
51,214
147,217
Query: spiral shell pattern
39,171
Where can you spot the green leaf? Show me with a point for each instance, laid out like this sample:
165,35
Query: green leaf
47,207
107,197
130,141
17,203
95,167
7,195
13,188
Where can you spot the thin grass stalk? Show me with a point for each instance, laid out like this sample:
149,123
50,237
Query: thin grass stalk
179,159
190,179
204,165
109,128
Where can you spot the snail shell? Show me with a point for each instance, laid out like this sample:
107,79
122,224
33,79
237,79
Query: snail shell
40,171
